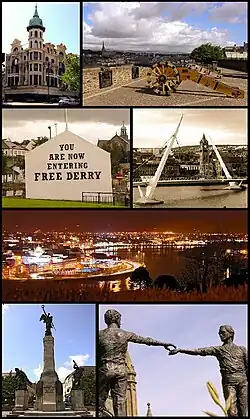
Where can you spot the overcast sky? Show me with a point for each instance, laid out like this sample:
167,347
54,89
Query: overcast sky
163,26
90,124
176,386
55,16
153,127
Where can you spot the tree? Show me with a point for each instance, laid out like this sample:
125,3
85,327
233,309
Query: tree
5,164
72,74
19,161
39,141
140,278
206,53
9,386
167,281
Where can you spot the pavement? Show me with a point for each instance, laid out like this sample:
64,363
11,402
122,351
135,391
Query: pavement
188,93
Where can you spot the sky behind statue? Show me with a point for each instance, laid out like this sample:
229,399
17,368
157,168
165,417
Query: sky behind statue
178,388
22,337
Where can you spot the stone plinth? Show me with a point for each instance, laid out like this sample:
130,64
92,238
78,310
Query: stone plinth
21,400
77,400
49,390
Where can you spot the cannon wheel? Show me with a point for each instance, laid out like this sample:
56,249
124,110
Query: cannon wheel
163,78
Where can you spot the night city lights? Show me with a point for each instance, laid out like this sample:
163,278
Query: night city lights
101,254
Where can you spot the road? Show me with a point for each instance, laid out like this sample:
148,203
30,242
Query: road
8,104
188,94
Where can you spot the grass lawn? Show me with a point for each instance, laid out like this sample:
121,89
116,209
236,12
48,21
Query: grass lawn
47,203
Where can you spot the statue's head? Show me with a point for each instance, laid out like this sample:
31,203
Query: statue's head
17,369
226,332
112,316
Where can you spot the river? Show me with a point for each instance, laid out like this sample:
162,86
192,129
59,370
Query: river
197,197
158,261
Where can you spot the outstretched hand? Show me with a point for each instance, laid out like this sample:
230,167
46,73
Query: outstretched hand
167,345
173,352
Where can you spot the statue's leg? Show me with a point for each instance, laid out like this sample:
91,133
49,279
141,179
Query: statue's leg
103,387
242,398
118,393
229,389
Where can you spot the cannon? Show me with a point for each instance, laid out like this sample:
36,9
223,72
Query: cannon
164,77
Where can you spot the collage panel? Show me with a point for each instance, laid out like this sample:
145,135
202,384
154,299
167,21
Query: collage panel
137,379
41,54
53,372
190,158
67,158
158,54
142,256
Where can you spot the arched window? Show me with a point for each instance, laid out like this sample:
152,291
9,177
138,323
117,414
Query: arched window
15,49
36,34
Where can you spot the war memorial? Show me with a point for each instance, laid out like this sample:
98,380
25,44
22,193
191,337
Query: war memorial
49,389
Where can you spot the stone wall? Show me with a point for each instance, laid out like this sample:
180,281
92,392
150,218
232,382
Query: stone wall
120,77
234,64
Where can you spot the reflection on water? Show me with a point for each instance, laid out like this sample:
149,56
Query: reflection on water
158,261
198,197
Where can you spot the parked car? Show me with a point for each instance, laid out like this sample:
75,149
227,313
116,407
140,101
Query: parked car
68,101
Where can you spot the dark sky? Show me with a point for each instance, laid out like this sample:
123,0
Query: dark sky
227,221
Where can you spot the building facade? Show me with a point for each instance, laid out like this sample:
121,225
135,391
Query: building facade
34,70
117,141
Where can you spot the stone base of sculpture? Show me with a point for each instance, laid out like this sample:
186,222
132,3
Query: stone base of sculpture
21,400
77,400
49,396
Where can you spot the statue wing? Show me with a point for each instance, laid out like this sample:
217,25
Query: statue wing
42,318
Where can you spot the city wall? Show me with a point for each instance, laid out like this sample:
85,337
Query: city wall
120,76
234,64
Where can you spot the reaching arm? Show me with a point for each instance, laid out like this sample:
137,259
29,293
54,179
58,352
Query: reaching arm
147,341
209,351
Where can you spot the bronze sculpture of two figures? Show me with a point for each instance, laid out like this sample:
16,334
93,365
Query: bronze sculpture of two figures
113,346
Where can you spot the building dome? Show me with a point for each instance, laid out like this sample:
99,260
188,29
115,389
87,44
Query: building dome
35,22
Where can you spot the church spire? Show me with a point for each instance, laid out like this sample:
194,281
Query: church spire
123,133
149,413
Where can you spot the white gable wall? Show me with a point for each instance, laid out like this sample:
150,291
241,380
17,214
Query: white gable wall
64,167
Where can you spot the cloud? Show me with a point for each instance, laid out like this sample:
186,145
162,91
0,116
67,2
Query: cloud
153,127
231,12
38,371
5,307
90,124
157,26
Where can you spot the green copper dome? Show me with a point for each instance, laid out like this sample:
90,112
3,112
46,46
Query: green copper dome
35,22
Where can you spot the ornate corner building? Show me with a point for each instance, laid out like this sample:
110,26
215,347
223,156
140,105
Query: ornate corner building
33,71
